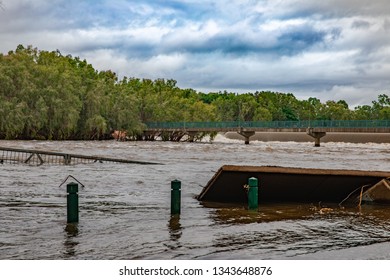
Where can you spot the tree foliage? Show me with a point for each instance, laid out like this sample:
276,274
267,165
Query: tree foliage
46,95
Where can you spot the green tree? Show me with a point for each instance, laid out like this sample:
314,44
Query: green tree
246,107
381,107
262,114
364,112
335,111
226,107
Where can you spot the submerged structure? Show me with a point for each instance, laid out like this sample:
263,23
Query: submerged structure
283,184
380,192
39,157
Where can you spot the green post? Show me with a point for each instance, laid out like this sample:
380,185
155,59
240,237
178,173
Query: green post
72,202
253,194
175,197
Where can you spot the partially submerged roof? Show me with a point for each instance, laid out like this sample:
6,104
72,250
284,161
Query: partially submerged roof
285,184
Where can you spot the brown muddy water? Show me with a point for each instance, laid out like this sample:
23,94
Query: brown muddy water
125,209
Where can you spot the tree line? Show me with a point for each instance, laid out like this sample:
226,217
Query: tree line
47,95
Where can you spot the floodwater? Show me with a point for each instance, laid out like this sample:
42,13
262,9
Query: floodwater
125,208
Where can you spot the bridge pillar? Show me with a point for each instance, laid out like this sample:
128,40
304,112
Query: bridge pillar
246,134
317,135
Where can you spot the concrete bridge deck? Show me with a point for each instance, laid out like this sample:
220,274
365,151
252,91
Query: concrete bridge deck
316,129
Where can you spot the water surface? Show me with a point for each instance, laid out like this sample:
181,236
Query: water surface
125,209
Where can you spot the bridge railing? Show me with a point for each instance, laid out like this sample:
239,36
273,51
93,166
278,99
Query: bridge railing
272,124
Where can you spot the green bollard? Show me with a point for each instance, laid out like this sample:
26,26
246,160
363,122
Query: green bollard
175,197
253,194
72,202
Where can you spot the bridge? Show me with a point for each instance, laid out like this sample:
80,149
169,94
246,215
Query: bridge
317,129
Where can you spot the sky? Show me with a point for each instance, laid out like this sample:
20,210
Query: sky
329,49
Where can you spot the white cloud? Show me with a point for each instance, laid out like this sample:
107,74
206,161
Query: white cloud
160,66
353,95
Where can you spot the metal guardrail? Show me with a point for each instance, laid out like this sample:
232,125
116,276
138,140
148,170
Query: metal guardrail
272,124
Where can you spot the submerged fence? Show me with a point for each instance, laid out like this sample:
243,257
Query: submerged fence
37,157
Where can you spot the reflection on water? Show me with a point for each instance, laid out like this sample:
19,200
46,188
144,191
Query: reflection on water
175,233
175,227
70,243
290,231
125,209
239,214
